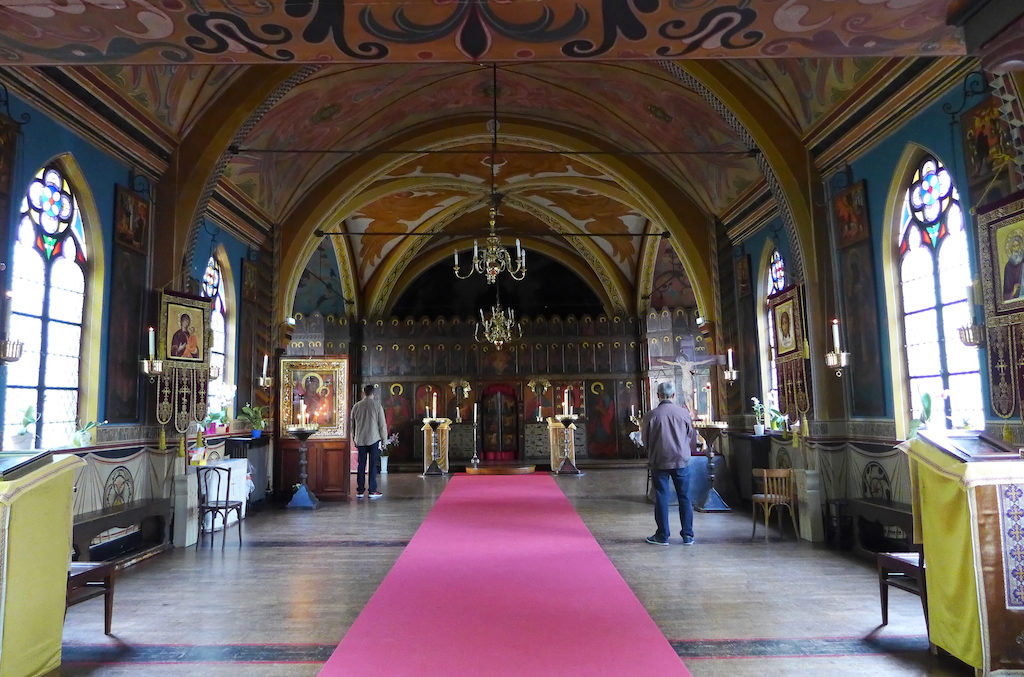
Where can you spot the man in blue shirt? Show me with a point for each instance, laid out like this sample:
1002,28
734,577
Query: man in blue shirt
671,438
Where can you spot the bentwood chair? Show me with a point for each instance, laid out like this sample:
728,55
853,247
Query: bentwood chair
903,570
214,501
777,493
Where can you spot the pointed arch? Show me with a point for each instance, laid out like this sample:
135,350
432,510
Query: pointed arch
75,255
226,292
765,337
921,232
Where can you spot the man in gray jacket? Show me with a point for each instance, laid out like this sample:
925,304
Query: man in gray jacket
369,429
670,438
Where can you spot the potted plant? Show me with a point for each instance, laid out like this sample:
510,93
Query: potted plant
758,408
391,441
83,436
254,417
25,438
213,419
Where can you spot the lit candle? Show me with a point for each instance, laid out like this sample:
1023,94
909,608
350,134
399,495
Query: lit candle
435,404
835,334
152,340
730,359
539,414
710,416
264,365
426,413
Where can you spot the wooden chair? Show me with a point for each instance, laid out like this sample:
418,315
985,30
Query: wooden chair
903,570
778,492
214,500
92,579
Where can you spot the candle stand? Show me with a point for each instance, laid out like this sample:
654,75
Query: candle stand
712,501
475,461
567,467
303,498
434,427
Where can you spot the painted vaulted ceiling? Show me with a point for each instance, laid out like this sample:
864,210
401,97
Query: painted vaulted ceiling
379,130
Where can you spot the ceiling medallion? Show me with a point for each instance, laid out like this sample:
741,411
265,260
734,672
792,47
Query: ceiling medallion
495,259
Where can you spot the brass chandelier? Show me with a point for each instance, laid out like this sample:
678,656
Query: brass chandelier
501,327
495,259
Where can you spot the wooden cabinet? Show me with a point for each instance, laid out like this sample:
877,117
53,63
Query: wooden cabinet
328,468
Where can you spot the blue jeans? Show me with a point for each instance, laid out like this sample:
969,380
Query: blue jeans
373,450
662,479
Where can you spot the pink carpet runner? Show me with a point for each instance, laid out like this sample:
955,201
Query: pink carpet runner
503,578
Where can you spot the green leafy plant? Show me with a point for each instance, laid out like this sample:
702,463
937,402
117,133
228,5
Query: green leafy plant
83,436
253,416
776,419
216,417
28,418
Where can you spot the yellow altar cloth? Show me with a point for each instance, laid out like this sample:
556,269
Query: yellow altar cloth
35,549
956,485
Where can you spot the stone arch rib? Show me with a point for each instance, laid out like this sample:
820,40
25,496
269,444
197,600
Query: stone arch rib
785,211
218,170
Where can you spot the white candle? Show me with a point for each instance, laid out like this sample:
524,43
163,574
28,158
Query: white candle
835,334
426,413
519,252
152,341
264,365
710,416
730,359
474,413
474,250
565,402
435,404
632,411
456,258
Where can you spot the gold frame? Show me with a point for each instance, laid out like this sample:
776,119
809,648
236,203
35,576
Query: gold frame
198,309
995,225
788,302
324,368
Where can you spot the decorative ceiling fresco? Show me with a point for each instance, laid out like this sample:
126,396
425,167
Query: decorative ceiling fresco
643,111
371,121
171,96
802,90
204,31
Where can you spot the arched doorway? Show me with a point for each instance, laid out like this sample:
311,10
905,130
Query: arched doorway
500,423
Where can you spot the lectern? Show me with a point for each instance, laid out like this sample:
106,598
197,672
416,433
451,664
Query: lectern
435,445
968,504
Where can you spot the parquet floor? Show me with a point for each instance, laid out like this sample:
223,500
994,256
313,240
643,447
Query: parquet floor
280,604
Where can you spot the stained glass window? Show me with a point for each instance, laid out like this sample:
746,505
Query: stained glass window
213,288
47,303
934,274
774,283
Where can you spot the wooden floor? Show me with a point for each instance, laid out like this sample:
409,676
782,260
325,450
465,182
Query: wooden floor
280,604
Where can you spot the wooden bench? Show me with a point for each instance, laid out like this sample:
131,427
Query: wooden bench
874,517
152,515
92,579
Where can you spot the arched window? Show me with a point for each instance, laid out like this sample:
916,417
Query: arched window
47,303
213,287
775,281
934,272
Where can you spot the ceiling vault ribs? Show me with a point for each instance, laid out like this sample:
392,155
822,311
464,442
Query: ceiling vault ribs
217,171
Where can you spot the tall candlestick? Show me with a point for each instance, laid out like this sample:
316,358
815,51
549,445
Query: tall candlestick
264,365
835,334
730,359
152,340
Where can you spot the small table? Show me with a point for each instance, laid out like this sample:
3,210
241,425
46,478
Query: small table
92,579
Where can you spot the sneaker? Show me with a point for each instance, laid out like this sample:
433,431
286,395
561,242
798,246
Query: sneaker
359,494
688,540
375,494
654,540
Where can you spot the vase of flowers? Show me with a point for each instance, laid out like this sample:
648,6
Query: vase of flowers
389,442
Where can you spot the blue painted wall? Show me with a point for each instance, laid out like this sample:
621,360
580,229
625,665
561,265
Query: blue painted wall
935,131
41,140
